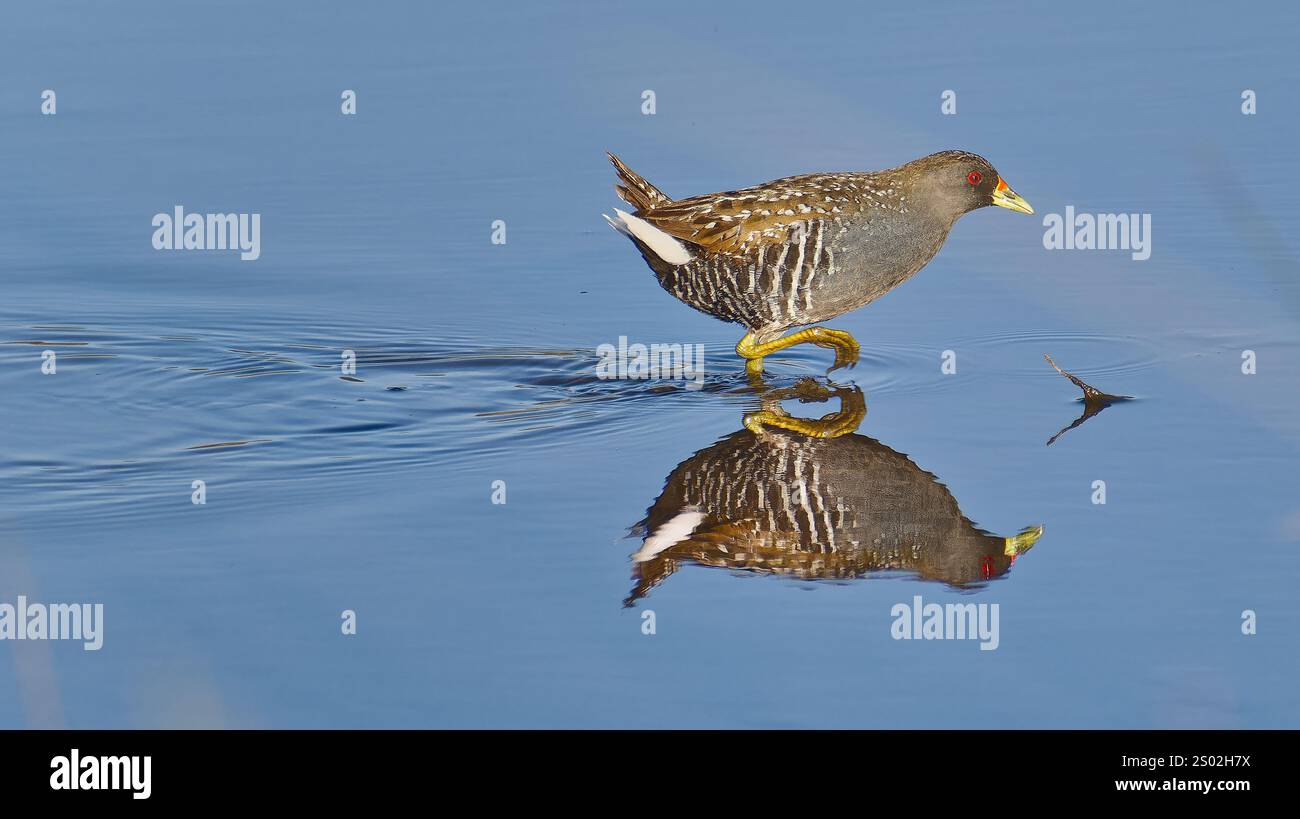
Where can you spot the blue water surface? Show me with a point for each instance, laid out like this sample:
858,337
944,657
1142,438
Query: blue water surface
476,363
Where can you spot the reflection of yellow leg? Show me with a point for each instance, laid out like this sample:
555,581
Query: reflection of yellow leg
853,408
845,346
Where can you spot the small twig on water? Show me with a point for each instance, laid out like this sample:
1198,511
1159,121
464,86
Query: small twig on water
1094,400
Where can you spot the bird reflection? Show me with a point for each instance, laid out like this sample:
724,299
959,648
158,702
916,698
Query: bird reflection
809,498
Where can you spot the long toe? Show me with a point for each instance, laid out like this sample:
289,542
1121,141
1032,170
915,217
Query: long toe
842,361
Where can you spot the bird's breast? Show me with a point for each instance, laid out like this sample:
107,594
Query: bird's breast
875,255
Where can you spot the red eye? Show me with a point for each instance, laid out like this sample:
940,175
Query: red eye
973,177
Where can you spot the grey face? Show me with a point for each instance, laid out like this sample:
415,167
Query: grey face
956,182
959,184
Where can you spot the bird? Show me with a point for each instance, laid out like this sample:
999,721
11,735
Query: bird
813,499
803,249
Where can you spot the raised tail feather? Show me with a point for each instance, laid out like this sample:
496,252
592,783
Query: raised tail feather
661,250
635,190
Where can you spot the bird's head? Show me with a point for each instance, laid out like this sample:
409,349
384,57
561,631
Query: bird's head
957,182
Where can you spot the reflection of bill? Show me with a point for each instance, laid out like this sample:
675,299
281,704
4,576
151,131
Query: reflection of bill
811,499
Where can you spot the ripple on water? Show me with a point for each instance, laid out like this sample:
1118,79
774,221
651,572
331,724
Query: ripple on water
1019,354
265,407
883,368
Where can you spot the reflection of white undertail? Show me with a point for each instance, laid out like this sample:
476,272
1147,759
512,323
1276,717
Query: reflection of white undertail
674,531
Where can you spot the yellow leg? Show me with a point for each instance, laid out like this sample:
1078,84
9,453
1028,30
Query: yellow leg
853,408
845,347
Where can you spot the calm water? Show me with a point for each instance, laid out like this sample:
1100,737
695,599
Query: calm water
476,363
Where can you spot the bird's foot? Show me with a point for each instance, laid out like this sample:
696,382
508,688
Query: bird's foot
844,344
846,347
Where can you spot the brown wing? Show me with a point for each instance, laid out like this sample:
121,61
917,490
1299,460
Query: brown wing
737,222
